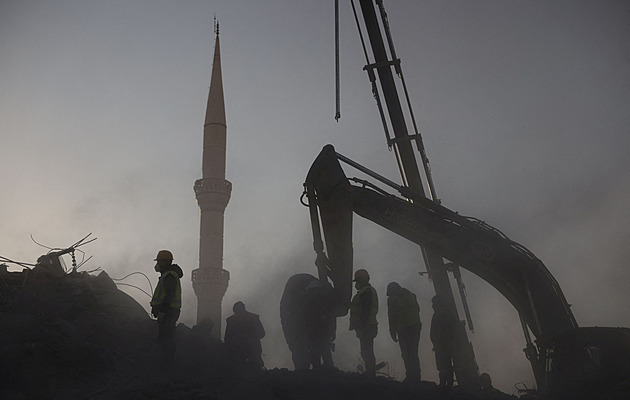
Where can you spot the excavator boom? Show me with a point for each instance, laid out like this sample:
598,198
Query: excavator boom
569,362
514,271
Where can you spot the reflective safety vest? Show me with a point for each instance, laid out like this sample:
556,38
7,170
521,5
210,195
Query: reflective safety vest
159,295
356,308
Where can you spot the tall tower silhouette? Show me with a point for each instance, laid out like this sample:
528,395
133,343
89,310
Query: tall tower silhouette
210,280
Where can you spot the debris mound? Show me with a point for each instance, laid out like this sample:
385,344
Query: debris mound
76,336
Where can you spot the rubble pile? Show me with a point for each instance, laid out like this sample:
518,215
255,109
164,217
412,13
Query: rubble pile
73,335
61,329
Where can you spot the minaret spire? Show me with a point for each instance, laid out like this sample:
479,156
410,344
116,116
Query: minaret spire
210,280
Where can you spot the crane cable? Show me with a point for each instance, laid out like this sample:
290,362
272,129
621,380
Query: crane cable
337,96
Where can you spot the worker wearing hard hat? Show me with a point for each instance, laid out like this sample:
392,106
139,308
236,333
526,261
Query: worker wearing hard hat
403,314
363,310
166,303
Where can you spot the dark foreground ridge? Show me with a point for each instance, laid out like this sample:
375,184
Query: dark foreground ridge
76,336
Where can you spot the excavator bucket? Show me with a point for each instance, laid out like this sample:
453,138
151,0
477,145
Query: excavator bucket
329,184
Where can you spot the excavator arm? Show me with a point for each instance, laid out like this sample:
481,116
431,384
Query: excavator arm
569,362
474,245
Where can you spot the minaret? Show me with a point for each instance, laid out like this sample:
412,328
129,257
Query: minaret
210,281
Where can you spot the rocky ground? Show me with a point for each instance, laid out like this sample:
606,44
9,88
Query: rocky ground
76,336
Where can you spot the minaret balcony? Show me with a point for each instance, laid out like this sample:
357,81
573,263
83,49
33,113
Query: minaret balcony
212,193
214,279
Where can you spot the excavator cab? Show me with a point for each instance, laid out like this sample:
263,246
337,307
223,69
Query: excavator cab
590,361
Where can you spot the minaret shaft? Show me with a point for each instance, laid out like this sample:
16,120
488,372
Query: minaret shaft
210,281
215,128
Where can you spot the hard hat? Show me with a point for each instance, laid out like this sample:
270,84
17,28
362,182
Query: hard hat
361,274
392,287
164,255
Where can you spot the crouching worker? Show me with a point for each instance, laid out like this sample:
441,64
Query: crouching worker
166,303
243,332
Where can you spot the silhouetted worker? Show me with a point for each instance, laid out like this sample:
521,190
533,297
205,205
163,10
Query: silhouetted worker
442,337
321,324
243,332
167,303
307,321
404,327
363,310
293,317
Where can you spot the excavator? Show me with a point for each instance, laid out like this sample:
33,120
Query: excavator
568,361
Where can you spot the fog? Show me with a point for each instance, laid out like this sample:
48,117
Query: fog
524,108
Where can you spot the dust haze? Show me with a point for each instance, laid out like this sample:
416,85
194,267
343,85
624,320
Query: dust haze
524,109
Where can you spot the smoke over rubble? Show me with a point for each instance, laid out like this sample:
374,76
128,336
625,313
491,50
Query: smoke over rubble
523,108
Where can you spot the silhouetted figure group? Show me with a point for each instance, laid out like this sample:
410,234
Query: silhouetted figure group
404,323
243,330
309,324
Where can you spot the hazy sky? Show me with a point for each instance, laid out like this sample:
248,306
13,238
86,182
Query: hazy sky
524,108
